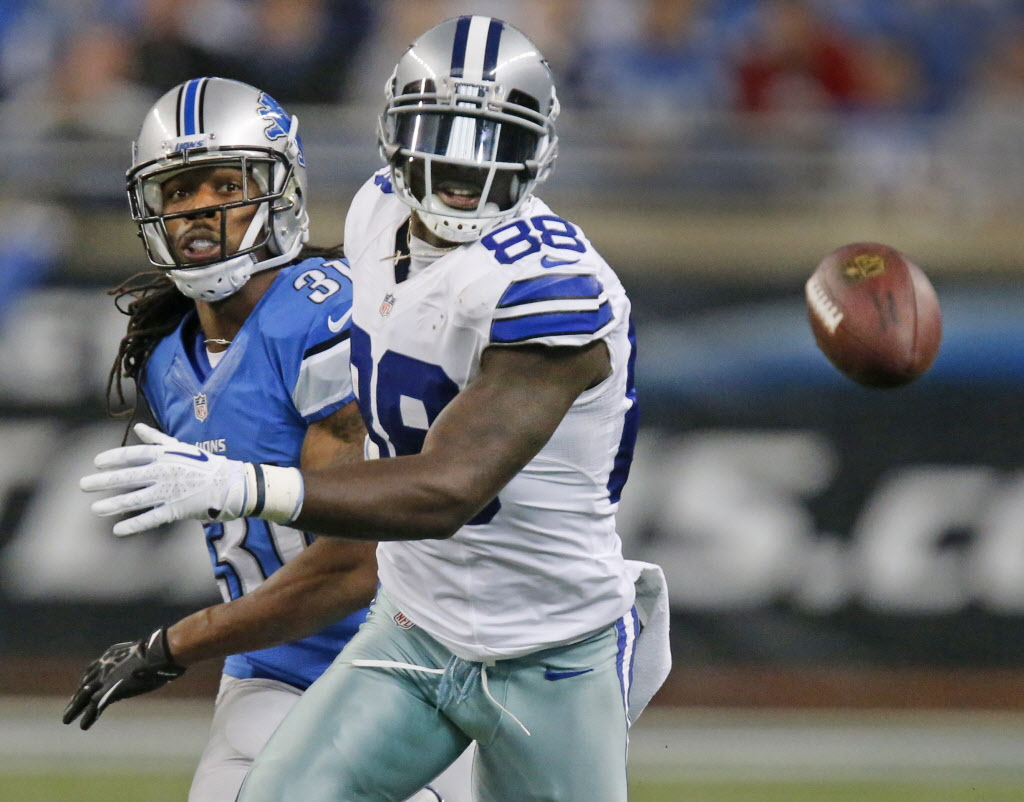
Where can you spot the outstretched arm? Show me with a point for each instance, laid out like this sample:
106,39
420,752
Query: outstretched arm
486,435
329,580
482,439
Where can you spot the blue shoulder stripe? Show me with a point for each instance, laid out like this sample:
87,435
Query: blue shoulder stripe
550,287
550,324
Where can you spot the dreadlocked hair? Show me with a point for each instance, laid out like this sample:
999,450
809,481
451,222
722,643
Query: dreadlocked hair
154,307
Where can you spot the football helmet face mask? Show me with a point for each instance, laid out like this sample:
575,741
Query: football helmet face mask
469,125
211,123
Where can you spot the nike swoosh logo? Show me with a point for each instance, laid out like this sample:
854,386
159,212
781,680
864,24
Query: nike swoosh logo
554,675
547,261
337,325
200,457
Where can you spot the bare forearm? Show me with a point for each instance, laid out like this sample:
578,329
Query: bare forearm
328,581
406,498
481,440
276,613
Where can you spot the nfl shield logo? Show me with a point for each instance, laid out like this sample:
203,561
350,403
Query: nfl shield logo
199,407
387,304
403,621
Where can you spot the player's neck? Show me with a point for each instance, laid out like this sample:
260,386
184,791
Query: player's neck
222,320
418,229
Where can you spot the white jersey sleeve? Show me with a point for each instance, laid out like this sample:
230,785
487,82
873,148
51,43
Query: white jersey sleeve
545,300
552,309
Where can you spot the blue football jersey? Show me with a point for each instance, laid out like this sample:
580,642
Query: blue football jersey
286,368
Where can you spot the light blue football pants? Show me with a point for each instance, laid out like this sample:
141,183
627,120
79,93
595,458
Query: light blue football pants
397,708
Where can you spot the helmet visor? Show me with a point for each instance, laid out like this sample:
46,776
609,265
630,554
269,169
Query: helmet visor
465,139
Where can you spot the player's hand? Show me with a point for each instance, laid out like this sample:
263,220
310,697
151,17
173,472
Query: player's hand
170,480
122,671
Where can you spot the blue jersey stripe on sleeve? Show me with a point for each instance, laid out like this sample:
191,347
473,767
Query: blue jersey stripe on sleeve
550,324
550,287
630,427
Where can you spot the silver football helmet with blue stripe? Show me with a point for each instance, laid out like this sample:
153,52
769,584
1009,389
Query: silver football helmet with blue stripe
469,126
214,122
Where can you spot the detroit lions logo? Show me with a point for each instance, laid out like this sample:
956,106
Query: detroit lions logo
278,122
190,144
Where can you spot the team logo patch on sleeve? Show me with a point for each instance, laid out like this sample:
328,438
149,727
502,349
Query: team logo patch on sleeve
200,407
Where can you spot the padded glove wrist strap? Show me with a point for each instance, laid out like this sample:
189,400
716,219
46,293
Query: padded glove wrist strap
274,494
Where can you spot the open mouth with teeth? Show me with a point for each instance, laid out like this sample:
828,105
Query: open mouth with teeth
461,195
458,187
199,246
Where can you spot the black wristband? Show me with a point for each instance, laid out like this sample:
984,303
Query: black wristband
261,490
159,651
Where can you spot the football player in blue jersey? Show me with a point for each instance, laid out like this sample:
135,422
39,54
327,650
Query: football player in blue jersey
492,357
239,345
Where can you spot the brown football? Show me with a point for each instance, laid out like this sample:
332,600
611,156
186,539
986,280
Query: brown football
874,314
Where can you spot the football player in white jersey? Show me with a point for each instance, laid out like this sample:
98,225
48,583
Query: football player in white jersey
240,345
492,358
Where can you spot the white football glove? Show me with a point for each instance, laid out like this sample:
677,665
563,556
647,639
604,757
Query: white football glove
172,481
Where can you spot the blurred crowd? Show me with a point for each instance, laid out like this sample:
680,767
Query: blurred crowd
908,103
651,56
741,82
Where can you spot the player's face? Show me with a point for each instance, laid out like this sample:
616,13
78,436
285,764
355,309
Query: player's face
197,237
460,187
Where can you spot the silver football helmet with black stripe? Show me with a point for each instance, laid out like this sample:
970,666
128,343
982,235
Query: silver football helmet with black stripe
469,126
213,122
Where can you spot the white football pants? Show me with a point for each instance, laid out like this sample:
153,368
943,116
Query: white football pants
246,713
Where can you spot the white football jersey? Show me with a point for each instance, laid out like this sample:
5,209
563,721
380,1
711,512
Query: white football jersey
542,564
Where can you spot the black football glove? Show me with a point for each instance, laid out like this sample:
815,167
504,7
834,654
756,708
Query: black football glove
122,671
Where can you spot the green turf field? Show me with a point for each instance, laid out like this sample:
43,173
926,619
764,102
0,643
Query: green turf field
824,792
94,787
145,752
174,787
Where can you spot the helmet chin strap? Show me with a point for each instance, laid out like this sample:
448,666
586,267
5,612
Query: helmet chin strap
457,229
451,224
214,282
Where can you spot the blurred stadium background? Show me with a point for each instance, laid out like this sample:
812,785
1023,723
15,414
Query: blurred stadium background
846,565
